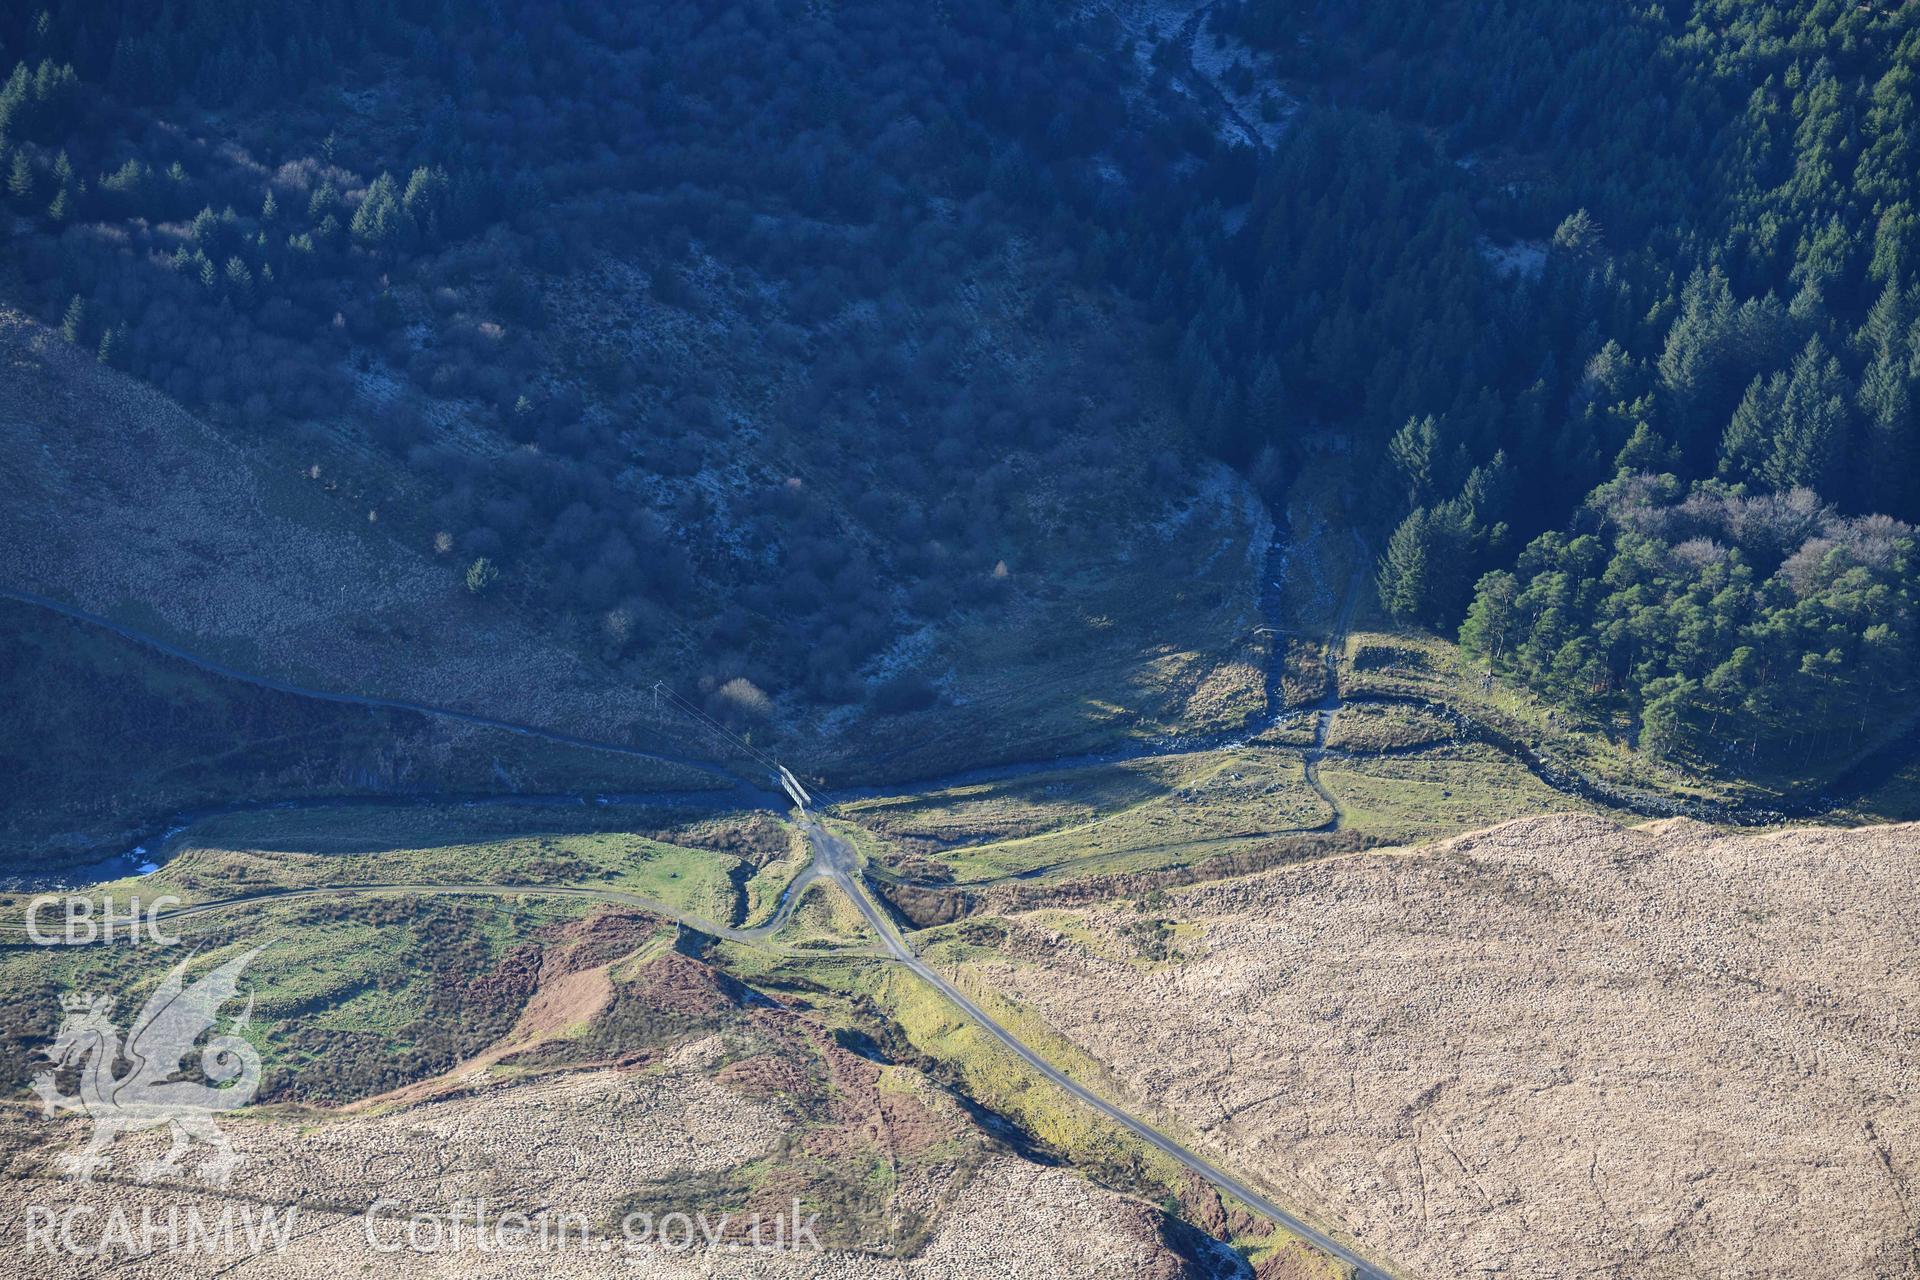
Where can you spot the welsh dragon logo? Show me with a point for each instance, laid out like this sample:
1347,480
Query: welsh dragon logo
151,1092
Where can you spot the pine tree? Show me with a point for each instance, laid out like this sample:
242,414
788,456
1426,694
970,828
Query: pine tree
1711,344
425,201
112,341
239,283
1405,576
1578,236
323,202
1687,362
75,319
1493,620
1893,242
377,220
1414,452
1749,438
62,207
1887,483
1809,307
481,575
1814,423
269,207
1886,323
1487,496
1646,453
20,179
1664,718
1267,404
125,181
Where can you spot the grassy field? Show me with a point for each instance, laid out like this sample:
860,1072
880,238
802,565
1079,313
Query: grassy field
915,1024
1114,817
826,919
359,996
1172,811
252,852
1023,806
874,1147
1412,798
356,999
351,997
1363,727
1148,942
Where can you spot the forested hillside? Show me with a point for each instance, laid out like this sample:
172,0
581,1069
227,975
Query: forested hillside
1682,447
1620,305
753,334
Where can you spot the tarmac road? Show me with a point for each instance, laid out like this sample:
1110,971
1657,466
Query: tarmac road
833,859
837,859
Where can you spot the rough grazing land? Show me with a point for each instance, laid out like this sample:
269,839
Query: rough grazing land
584,1143
1551,1049
636,1081
122,503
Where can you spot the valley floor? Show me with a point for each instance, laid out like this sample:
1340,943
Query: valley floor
1554,1046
